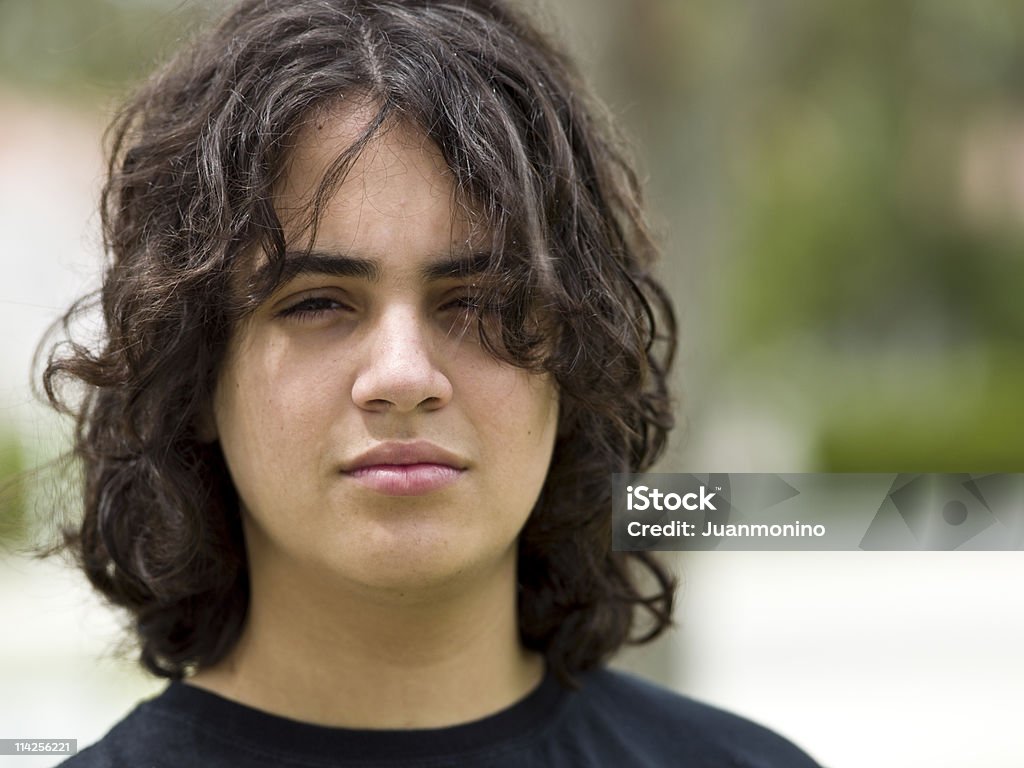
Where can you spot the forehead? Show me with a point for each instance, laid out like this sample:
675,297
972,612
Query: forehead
393,182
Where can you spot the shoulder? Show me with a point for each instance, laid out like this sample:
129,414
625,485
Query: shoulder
90,757
639,717
132,741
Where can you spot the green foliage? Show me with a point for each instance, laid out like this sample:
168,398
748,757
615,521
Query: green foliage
81,48
863,198
915,430
13,514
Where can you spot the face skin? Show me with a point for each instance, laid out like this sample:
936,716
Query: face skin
333,366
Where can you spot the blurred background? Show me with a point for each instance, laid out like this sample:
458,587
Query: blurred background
840,191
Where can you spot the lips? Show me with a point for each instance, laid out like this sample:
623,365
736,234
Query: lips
405,469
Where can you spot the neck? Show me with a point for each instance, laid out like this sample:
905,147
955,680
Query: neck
361,658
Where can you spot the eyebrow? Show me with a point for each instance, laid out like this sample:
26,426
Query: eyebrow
298,263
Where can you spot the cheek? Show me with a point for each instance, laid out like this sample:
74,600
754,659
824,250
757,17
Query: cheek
270,408
518,417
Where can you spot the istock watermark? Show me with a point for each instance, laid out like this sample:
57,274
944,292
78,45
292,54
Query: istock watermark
817,511
642,498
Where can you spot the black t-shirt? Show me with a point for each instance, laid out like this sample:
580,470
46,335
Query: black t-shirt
613,719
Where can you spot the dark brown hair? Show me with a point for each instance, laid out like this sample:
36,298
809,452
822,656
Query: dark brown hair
194,160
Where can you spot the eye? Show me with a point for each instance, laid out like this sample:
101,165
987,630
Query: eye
467,303
464,299
313,308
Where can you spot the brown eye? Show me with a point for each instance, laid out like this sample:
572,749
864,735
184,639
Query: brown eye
467,303
313,308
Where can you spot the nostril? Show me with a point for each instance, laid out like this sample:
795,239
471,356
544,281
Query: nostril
401,372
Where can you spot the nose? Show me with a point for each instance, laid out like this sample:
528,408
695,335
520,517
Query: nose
400,371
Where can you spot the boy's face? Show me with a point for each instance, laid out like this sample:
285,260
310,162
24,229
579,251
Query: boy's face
371,438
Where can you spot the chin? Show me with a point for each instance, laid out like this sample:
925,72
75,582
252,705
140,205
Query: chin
426,568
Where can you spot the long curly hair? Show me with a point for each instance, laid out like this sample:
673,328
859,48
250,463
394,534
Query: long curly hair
194,160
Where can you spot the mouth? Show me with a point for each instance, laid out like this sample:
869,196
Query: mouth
406,469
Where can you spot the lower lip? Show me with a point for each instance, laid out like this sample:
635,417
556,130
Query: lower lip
406,479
